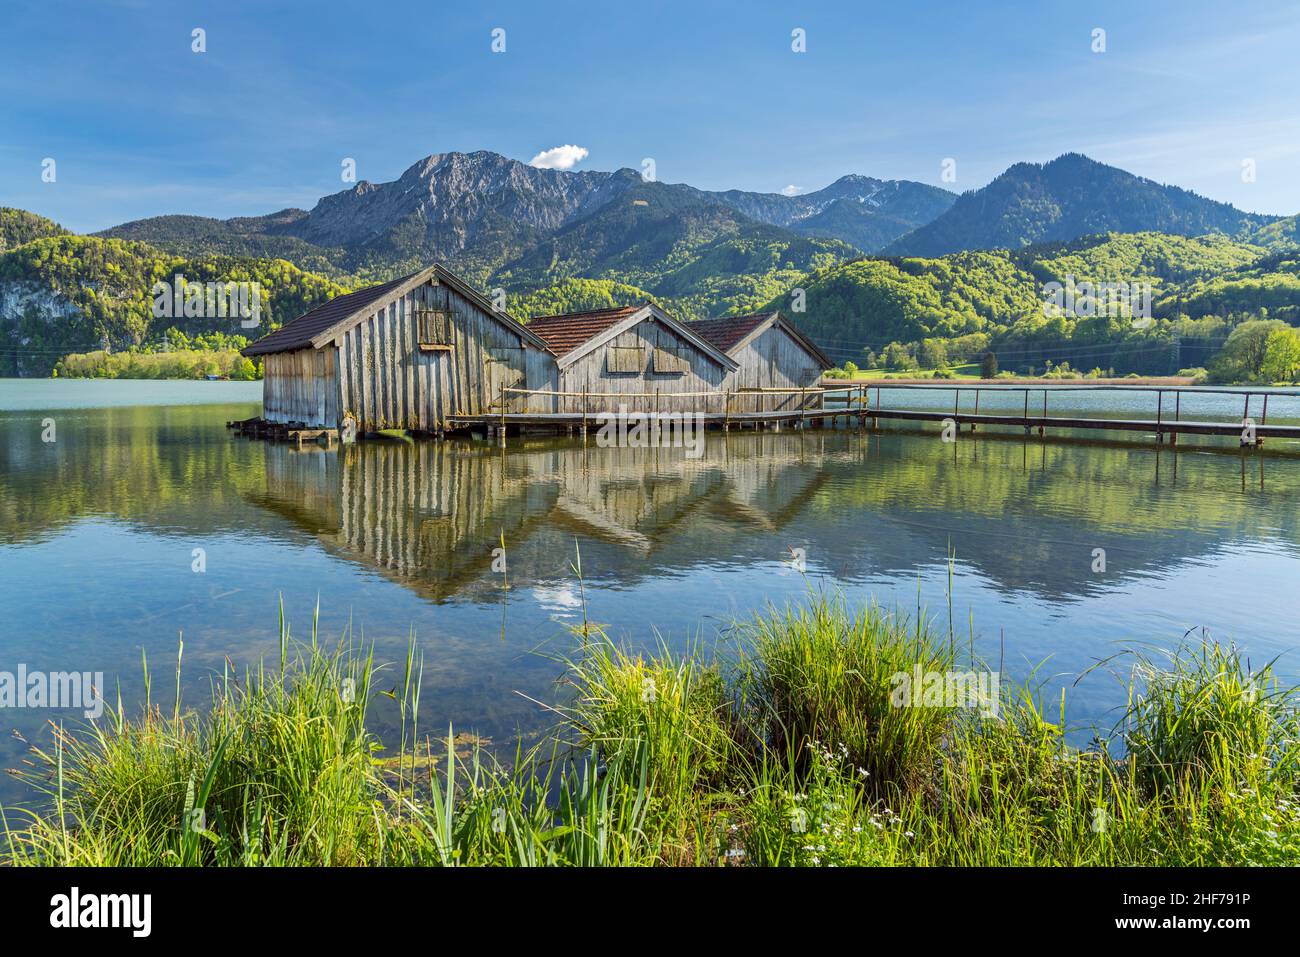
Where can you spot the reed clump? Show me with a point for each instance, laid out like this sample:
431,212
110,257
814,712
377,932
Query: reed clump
792,749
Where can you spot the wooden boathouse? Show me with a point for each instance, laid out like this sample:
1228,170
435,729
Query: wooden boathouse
771,353
427,353
634,357
409,354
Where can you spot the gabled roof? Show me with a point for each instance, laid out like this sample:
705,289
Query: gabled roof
321,325
573,335
564,333
728,332
298,333
732,333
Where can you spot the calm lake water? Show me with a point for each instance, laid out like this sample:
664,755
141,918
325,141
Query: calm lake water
98,530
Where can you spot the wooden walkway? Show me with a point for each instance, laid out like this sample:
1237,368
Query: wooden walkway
853,406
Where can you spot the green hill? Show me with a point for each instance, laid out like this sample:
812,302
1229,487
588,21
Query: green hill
79,293
1199,289
17,226
1280,235
575,295
1070,197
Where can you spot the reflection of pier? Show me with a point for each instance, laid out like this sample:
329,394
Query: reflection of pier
878,506
430,514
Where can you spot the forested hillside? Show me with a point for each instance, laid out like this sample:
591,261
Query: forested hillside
1069,197
976,302
17,226
70,293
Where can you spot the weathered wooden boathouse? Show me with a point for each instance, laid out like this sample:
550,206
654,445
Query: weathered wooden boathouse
427,353
637,358
412,353
770,353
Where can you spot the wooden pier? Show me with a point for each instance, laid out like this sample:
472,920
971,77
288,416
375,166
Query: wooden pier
855,406
849,406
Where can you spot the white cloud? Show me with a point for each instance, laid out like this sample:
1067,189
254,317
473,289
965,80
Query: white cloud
792,190
561,157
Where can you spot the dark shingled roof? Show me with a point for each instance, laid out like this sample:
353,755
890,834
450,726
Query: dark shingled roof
725,333
564,333
299,333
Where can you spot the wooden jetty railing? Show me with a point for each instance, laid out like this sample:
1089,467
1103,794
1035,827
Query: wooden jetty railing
727,408
1250,430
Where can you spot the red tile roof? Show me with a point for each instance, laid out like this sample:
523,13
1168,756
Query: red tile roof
564,333
725,333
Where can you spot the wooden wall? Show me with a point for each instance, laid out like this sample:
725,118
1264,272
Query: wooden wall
591,372
378,373
301,387
773,360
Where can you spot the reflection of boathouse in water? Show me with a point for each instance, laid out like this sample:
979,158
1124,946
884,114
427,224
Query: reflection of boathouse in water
428,514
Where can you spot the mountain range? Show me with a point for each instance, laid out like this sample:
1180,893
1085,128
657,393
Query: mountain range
1069,197
482,211
557,240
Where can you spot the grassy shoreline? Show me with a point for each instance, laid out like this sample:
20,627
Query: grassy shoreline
797,751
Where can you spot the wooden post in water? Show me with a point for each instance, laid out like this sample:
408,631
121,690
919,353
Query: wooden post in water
977,409
1160,406
726,410
1026,411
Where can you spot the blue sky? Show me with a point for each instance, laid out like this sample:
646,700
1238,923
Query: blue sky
139,125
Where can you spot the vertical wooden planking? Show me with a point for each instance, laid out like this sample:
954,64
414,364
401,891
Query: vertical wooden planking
381,374
365,384
340,364
390,367
408,363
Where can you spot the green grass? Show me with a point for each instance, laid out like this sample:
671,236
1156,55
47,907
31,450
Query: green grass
788,751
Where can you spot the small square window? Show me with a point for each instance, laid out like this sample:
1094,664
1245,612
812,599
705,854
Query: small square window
670,362
434,327
626,359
